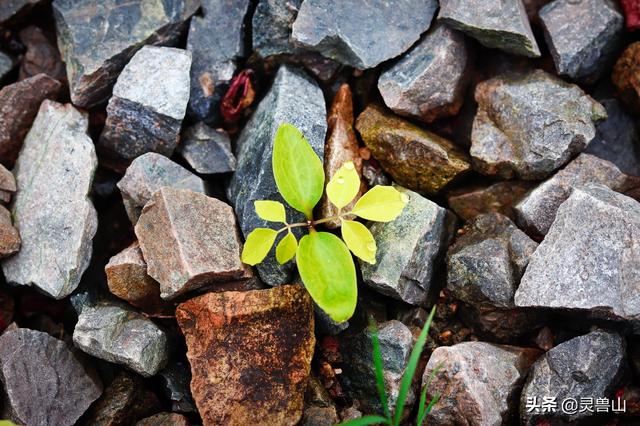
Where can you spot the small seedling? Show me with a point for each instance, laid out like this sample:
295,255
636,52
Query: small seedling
324,262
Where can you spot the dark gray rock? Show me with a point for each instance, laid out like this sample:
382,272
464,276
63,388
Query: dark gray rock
207,150
496,24
6,65
430,80
10,9
175,381
45,384
293,98
589,366
271,27
584,49
98,39
334,28
529,124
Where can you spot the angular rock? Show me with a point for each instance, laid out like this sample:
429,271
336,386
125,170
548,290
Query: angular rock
147,107
7,184
9,236
16,122
267,336
188,240
165,419
500,25
537,211
588,366
334,29
10,9
44,382
529,124
295,99
271,27
626,76
42,56
95,52
499,197
319,410
207,150
6,64
175,381
477,383
430,80
119,335
56,245
584,49
417,159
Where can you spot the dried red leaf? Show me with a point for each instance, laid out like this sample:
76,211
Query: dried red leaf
631,13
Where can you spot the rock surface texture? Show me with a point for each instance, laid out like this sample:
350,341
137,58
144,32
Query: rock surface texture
626,76
499,197
207,150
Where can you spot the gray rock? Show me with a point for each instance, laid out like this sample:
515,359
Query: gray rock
496,24
588,260
207,150
6,65
216,42
271,27
98,39
334,28
477,383
537,211
53,174
45,384
589,366
410,249
529,124
119,335
147,174
147,107
10,9
293,98
584,49
429,81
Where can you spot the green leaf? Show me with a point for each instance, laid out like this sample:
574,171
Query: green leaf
258,244
344,185
286,248
327,270
379,367
365,421
359,240
297,170
381,204
9,423
422,410
272,211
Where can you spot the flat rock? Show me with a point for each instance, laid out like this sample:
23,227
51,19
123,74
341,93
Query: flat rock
44,382
98,40
122,336
56,245
42,55
188,240
207,150
529,124
477,383
410,250
588,366
537,211
499,197
16,122
147,107
429,81
584,49
415,158
626,76
267,336
293,98
164,419
499,25
9,236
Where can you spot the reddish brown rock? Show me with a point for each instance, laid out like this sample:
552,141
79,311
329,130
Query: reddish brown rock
42,55
267,337
9,236
500,197
626,76
7,184
164,419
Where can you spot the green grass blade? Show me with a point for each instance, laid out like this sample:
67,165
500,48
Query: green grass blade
379,367
366,420
421,410
422,413
433,402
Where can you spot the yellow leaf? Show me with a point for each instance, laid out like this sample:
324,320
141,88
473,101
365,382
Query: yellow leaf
381,204
273,211
286,248
344,185
257,246
359,240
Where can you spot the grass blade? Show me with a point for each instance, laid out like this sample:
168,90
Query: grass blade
422,413
366,420
379,367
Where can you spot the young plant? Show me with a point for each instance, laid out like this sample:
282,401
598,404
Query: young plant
324,262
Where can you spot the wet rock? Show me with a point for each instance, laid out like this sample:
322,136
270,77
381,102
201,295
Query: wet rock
147,107
537,211
119,335
95,52
10,9
9,236
42,56
588,366
295,99
410,250
430,80
626,76
583,50
207,150
267,335
175,381
188,240
6,65
499,197
16,122
500,25
477,382
56,245
529,124
44,382
165,419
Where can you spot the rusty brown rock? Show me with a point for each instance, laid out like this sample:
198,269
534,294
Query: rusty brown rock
9,236
7,184
188,240
267,336
499,197
42,55
164,419
626,76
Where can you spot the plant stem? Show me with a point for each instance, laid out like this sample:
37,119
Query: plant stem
312,223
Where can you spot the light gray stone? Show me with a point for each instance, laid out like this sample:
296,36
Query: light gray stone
207,150
6,65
